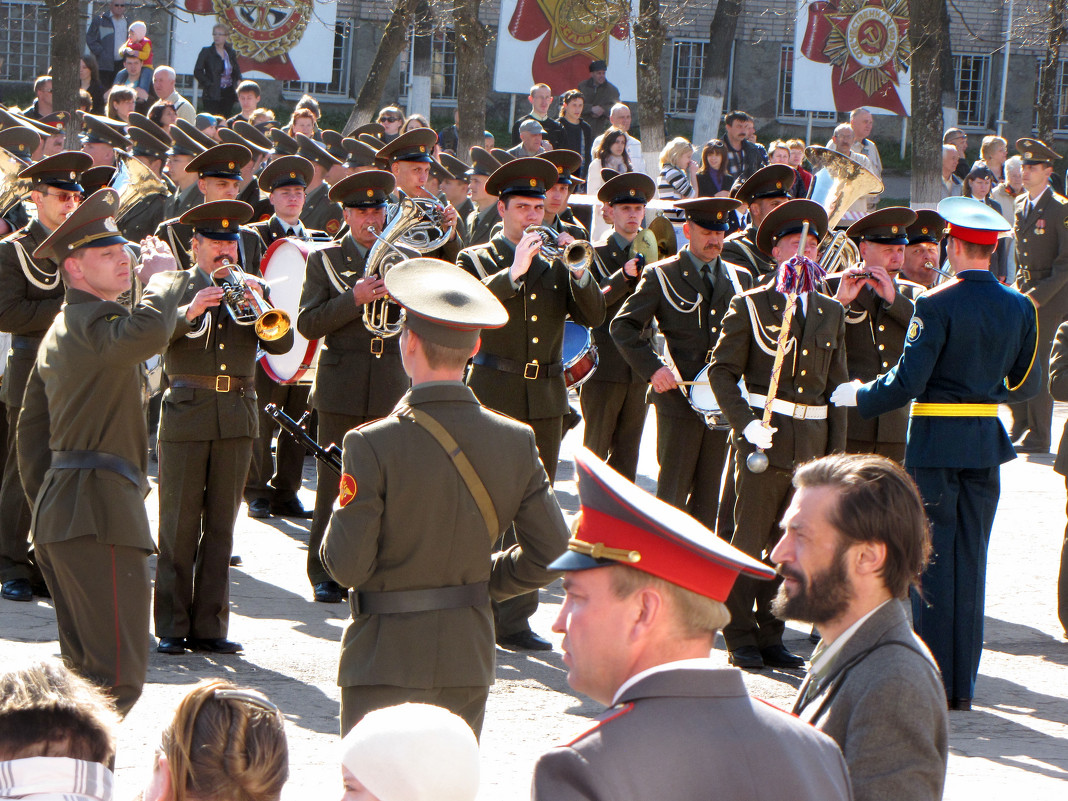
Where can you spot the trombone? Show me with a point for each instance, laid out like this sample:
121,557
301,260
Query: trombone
247,307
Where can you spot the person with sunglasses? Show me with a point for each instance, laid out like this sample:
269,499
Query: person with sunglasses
391,118
106,39
31,294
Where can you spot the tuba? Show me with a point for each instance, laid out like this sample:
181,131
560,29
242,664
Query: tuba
417,223
246,307
134,182
12,188
837,183
576,256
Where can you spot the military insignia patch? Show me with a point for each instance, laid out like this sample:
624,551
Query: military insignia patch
333,226
346,490
915,329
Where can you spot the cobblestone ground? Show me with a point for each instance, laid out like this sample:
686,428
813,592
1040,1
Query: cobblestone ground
1015,742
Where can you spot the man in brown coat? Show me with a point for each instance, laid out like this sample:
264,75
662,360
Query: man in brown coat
83,445
425,493
802,426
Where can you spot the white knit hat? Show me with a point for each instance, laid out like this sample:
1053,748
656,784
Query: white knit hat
413,752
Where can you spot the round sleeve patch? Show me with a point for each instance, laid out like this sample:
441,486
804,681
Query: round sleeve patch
333,226
915,329
346,490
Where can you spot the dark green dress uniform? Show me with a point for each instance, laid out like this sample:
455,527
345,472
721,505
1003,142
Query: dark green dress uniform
182,201
359,375
320,212
480,222
613,398
518,370
807,428
83,450
687,300
772,181
740,248
148,212
276,480
875,337
972,342
1058,387
207,426
31,294
1041,230
422,629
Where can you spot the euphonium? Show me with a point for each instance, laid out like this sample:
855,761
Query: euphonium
247,307
417,223
838,182
576,256
12,188
134,182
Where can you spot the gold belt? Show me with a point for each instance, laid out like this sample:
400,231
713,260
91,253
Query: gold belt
954,410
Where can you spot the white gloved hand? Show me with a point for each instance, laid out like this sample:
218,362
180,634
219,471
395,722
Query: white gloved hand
758,435
846,394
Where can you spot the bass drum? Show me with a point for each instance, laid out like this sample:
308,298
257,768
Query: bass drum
580,354
703,400
283,267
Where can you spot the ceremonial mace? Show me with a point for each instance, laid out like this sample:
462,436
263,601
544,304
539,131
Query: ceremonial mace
757,461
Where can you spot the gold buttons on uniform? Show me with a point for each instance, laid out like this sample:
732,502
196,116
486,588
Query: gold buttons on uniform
882,327
804,353
886,364
882,347
800,389
803,372
534,340
533,297
222,366
222,346
533,318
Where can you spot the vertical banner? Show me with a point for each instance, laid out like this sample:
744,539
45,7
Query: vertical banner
290,40
554,41
852,53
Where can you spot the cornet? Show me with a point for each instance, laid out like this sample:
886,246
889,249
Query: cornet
247,307
576,256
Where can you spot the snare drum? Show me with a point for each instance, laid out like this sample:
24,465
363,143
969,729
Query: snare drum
703,400
580,354
283,268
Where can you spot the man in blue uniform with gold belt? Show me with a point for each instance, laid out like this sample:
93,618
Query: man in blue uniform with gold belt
971,342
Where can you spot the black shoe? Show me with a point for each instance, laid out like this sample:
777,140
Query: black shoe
524,641
747,657
328,592
235,560
216,645
259,508
960,704
290,508
1031,447
17,590
171,645
572,418
778,657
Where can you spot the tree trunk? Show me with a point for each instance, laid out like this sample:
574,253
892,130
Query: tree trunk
389,48
717,64
419,88
926,32
649,39
1047,86
945,62
472,75
68,41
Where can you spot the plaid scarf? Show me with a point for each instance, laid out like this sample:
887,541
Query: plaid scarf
55,779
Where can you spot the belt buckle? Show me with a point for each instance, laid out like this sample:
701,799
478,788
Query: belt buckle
527,370
800,411
377,346
220,386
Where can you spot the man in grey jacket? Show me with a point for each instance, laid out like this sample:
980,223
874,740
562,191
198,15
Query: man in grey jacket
854,538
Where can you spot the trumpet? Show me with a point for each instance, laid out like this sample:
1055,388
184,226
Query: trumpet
576,256
247,307
930,265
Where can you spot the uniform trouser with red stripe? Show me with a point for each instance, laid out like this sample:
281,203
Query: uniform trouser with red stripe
102,598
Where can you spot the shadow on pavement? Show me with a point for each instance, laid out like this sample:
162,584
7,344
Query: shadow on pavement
1014,638
251,597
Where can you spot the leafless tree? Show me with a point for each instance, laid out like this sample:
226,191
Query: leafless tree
929,34
717,63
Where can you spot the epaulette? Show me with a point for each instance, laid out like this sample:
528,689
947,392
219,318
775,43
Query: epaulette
608,717
754,290
735,236
1059,197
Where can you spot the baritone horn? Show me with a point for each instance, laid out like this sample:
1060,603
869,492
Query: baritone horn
576,256
837,183
247,307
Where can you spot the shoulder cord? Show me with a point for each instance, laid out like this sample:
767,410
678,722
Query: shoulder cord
28,269
672,296
463,465
766,343
331,273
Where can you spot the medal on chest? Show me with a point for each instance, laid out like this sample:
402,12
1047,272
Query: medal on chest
1040,226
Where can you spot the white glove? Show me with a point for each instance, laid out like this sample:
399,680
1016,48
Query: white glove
846,394
758,435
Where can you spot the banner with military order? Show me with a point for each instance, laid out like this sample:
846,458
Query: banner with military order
554,41
289,40
852,53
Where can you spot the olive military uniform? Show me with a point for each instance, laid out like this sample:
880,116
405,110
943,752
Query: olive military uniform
320,212
740,248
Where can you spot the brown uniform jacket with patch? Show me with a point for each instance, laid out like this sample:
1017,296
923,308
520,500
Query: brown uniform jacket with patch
535,330
349,378
84,393
813,367
739,248
616,287
31,294
688,314
320,212
179,236
480,225
1042,257
412,524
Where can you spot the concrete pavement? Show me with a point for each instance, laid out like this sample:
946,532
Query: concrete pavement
1014,741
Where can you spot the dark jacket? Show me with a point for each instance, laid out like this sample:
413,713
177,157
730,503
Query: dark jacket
209,71
754,157
100,39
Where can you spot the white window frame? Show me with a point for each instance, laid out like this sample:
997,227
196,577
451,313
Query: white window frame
672,107
981,92
443,63
784,111
341,70
1060,106
18,69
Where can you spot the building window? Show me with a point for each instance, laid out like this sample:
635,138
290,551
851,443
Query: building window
442,66
687,67
339,69
785,104
25,35
971,74
1060,96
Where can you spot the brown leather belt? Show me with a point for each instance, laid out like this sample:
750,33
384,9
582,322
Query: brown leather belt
430,600
218,383
529,370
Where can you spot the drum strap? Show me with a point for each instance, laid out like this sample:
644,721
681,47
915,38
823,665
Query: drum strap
463,466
